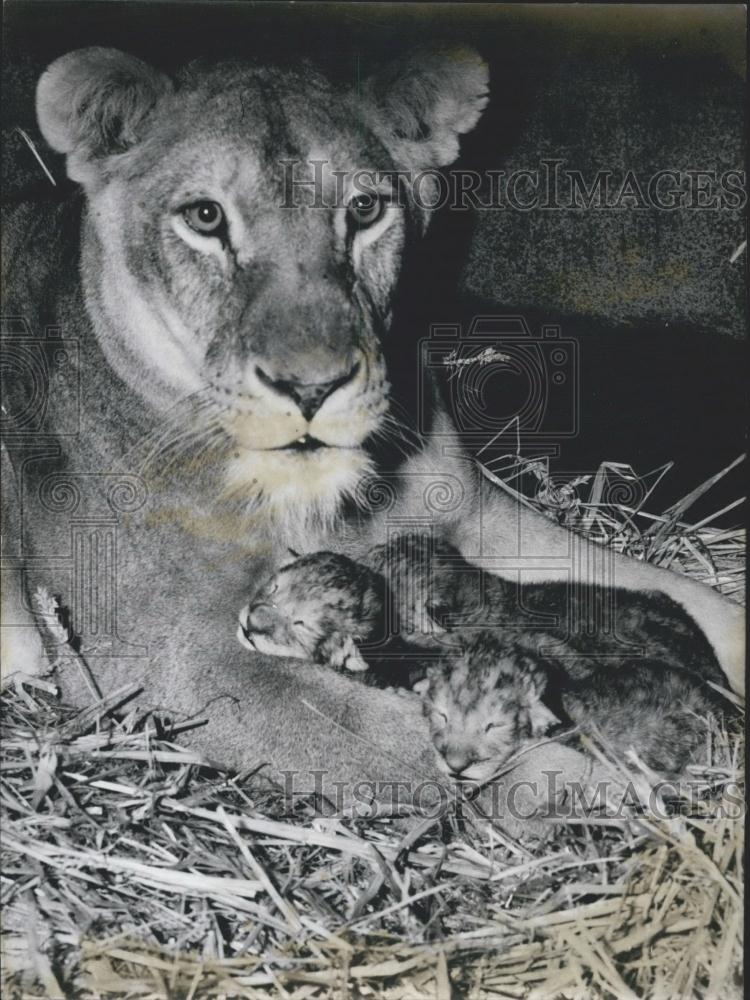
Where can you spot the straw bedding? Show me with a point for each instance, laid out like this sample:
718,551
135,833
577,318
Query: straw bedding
131,870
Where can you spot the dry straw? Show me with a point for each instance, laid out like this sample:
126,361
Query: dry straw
131,870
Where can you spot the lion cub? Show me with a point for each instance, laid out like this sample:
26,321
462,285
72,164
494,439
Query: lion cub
497,695
318,607
497,663
327,608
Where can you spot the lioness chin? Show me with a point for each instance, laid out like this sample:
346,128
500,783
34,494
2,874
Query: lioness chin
229,292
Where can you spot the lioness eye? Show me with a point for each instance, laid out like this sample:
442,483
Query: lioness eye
205,217
365,209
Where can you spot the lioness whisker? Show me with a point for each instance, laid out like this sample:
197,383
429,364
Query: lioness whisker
394,431
383,435
194,444
404,424
397,406
184,424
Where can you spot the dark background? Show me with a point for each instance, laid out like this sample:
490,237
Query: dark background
651,298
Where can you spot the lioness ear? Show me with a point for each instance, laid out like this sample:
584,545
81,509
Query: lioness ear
94,102
425,101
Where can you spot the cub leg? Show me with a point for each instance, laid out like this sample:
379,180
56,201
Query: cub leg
658,712
340,652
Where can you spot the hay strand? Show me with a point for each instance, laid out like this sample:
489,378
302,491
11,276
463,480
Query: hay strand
132,868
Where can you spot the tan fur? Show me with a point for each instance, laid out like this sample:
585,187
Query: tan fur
172,329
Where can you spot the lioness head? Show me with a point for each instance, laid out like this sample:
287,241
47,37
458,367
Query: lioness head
229,256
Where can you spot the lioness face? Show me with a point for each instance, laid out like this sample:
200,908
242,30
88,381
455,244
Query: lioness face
231,257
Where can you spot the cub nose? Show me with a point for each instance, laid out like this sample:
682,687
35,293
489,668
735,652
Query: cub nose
260,618
309,396
458,760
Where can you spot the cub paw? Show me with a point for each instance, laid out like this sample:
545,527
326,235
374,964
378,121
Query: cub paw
340,652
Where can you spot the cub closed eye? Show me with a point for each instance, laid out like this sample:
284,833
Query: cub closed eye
365,209
205,217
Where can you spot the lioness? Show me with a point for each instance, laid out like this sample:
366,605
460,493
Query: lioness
225,389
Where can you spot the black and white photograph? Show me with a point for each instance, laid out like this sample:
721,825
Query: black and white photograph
374,422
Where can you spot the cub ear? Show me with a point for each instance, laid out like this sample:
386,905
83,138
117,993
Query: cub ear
94,102
541,719
423,102
435,612
421,687
533,685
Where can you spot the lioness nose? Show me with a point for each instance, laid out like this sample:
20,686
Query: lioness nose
308,396
458,760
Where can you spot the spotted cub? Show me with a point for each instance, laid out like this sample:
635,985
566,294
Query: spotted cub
497,663
497,695
318,607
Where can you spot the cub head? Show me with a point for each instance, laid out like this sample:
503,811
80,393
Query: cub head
244,234
310,604
483,705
